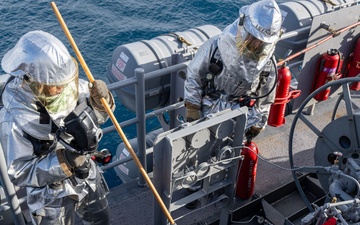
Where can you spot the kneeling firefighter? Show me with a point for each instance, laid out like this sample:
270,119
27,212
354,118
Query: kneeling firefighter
49,129
236,67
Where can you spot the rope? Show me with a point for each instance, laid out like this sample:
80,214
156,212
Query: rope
330,2
181,39
184,41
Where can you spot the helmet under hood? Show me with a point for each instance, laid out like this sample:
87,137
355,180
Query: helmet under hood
262,19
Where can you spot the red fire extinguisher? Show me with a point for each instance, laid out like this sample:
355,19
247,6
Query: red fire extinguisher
247,170
328,69
282,97
330,221
353,67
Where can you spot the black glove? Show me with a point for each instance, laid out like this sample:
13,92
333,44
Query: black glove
98,90
252,132
74,163
74,159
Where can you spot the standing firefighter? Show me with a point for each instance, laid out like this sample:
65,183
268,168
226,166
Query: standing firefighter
49,129
236,67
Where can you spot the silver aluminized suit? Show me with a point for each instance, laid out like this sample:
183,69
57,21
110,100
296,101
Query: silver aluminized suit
240,76
52,195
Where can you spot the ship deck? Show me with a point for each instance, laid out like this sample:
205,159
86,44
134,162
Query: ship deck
132,204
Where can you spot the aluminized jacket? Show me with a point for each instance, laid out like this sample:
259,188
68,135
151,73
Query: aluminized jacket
42,176
240,76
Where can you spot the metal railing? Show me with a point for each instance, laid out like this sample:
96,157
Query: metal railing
139,81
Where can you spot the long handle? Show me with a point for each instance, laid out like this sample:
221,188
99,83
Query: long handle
111,115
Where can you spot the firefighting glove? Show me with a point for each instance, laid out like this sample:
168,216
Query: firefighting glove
252,132
192,112
98,90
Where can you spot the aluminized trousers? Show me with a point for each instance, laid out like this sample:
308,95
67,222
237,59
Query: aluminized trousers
93,209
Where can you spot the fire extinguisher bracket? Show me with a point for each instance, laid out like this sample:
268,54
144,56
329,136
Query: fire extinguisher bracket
292,94
353,66
357,66
332,77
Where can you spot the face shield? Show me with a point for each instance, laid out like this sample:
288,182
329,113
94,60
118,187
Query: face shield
57,99
263,20
48,69
251,47
259,29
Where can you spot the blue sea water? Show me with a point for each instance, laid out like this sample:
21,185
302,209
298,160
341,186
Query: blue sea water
99,26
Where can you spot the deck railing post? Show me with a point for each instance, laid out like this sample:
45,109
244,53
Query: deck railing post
10,193
172,114
141,125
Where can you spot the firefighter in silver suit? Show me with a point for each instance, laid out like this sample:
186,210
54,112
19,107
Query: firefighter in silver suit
44,154
226,70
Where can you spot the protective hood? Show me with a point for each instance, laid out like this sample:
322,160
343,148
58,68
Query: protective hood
42,56
45,75
44,64
263,20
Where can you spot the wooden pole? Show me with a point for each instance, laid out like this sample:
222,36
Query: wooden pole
111,115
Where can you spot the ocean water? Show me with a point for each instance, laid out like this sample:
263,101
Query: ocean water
98,27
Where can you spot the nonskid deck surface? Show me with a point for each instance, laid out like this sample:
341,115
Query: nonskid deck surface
131,204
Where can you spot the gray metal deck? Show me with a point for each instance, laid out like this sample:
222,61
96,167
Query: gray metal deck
127,199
